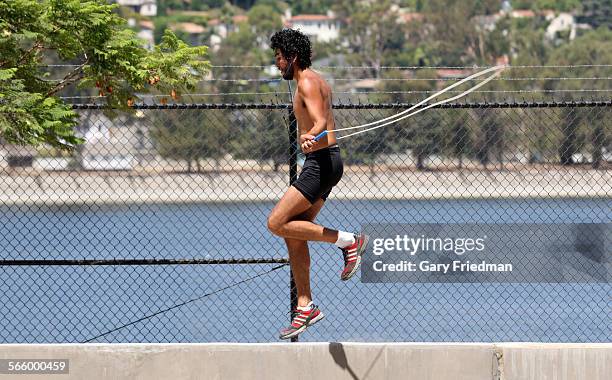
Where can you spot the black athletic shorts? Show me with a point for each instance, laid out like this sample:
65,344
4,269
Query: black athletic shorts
322,170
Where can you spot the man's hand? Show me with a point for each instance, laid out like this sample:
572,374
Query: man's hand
307,143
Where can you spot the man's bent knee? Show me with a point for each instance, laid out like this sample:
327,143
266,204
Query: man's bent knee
275,224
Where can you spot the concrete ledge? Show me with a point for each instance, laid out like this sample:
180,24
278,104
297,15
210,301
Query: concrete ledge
57,188
418,361
556,361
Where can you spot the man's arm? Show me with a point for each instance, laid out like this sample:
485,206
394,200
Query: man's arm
311,95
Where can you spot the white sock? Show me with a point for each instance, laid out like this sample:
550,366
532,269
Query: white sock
345,239
305,308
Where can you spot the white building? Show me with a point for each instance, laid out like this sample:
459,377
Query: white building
487,22
319,28
194,31
522,13
144,7
108,147
408,17
222,29
146,33
561,23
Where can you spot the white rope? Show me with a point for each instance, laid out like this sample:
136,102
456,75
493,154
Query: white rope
463,67
422,109
476,92
498,69
452,79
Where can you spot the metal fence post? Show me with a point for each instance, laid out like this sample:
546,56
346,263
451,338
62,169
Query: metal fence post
292,178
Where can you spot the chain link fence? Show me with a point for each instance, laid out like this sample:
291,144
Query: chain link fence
155,229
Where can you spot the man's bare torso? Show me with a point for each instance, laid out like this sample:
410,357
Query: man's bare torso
301,113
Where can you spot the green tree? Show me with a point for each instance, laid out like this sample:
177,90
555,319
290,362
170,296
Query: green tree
104,53
200,5
600,138
572,135
558,5
486,7
244,4
461,144
592,48
372,32
247,47
185,137
456,43
364,148
311,6
414,5
238,49
596,13
277,5
491,142
427,136
426,133
263,137
265,21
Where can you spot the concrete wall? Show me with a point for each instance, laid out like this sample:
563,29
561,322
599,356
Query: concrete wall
418,361
124,187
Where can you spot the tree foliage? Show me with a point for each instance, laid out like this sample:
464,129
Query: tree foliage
102,53
372,31
186,137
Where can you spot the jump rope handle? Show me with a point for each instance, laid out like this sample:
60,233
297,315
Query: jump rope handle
317,137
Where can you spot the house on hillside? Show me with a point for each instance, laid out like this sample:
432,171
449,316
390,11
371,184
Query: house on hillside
143,7
146,32
119,144
564,22
365,85
522,13
319,28
408,17
194,32
221,29
487,22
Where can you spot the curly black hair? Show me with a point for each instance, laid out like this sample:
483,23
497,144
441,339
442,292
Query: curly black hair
293,43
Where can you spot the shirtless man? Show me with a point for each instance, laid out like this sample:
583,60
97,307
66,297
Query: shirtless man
292,217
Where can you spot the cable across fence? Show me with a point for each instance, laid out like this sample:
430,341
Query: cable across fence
155,229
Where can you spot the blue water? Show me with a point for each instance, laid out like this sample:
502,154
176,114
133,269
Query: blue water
73,304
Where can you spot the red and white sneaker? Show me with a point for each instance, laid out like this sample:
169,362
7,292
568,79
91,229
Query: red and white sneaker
301,320
352,256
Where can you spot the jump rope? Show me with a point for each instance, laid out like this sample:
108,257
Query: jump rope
407,113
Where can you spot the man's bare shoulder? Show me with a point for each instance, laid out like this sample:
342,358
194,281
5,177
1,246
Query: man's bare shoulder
308,83
311,82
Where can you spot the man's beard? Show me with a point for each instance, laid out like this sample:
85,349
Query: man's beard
288,75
